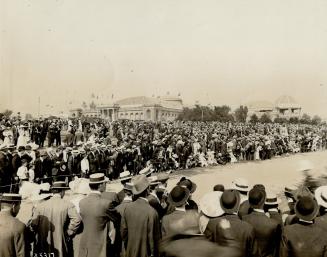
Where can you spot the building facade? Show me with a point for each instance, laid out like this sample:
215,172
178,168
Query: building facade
166,108
284,107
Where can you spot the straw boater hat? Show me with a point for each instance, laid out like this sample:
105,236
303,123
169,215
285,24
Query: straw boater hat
321,196
230,201
10,198
241,185
59,185
125,176
178,196
306,208
271,199
210,204
146,171
98,178
140,184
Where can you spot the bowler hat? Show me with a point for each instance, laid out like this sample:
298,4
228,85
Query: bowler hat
306,208
230,201
191,186
219,187
257,198
178,196
140,184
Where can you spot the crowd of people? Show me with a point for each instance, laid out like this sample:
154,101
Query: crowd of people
86,218
45,150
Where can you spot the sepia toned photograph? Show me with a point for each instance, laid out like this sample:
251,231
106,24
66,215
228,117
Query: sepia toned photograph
163,128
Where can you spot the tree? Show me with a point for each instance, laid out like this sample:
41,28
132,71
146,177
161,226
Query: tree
254,118
265,118
222,113
294,120
241,113
280,120
7,113
316,120
306,119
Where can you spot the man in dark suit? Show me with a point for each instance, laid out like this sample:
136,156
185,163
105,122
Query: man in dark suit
17,159
306,238
267,231
12,232
178,197
229,230
140,223
98,215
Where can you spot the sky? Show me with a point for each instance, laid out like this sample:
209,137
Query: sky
212,51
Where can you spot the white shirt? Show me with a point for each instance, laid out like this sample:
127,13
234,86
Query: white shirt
22,172
31,175
85,165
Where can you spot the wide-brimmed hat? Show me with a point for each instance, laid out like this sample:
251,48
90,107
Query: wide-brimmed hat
80,186
59,185
191,186
178,196
128,186
290,191
10,198
210,204
272,199
241,185
125,176
98,178
257,198
140,184
230,201
306,208
162,177
321,196
146,171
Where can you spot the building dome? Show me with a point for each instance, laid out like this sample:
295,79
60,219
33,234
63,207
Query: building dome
287,102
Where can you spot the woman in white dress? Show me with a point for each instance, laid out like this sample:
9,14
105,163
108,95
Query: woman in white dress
8,136
23,137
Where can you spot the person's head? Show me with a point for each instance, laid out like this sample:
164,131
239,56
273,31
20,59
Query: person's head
257,198
178,196
219,187
140,186
24,162
59,188
11,203
21,149
98,182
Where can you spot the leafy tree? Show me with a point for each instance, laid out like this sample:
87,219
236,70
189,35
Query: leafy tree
6,114
265,118
316,120
241,113
294,120
306,119
280,120
254,118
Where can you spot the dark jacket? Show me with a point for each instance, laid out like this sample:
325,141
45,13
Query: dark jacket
240,234
140,229
267,233
167,220
304,240
96,213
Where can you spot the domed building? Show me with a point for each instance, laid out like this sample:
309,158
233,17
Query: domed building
166,108
284,107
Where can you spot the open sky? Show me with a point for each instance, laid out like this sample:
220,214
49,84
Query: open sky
211,51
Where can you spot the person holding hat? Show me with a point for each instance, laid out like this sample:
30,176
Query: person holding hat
99,216
140,229
177,197
12,232
267,231
305,238
55,222
228,229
